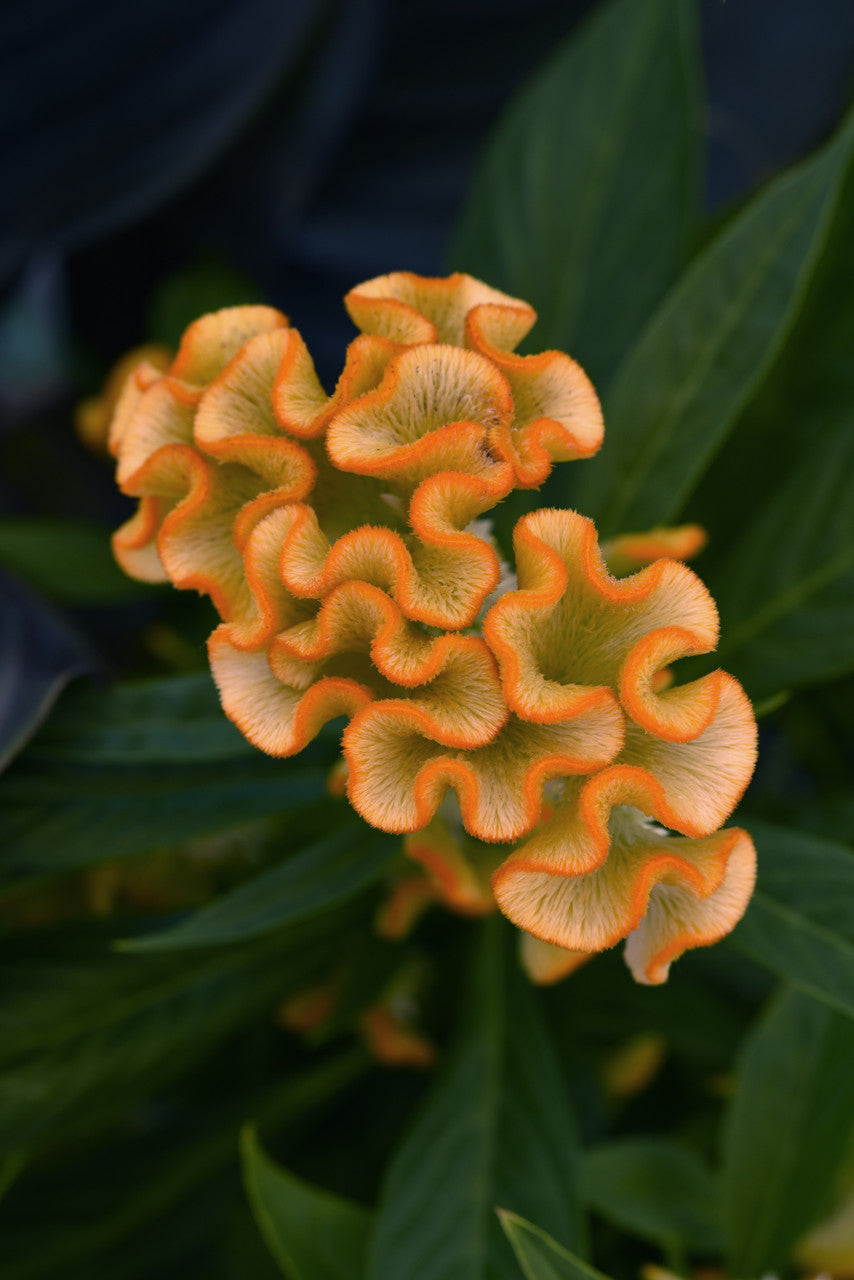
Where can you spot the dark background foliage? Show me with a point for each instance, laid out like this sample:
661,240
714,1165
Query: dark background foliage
163,159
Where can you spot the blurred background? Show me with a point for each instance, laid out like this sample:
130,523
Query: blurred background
285,150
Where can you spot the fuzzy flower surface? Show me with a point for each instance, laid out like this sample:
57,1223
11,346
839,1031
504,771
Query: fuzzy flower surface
522,730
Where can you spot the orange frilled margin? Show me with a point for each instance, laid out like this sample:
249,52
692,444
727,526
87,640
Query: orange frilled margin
341,539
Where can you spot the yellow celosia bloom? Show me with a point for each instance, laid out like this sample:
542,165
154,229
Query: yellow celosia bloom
340,539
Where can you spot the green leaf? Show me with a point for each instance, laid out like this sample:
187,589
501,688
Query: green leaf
55,819
121,771
312,880
80,1043
68,561
787,1130
172,719
654,1189
808,392
800,922
786,591
60,987
312,1234
587,193
496,1127
541,1257
706,349
147,1190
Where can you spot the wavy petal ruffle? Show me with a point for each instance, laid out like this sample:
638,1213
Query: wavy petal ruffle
571,626
593,888
435,410
399,774
677,920
556,412
273,695
409,308
440,579
213,340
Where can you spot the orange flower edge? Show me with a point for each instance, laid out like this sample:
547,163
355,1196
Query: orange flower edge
341,539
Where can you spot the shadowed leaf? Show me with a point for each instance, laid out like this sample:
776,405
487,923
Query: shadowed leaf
588,190
800,922
541,1257
311,880
312,1234
496,1128
654,1189
704,352
787,1130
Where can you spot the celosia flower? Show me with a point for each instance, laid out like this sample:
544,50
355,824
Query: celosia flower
340,538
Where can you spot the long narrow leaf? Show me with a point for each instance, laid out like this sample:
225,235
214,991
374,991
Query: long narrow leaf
703,353
800,922
312,1234
588,191
786,592
654,1189
168,720
541,1257
788,1127
497,1128
315,878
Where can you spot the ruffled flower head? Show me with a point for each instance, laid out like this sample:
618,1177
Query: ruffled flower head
342,540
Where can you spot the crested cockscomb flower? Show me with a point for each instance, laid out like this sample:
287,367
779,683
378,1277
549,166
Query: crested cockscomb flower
342,539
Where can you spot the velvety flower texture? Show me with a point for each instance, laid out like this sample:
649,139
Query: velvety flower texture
341,539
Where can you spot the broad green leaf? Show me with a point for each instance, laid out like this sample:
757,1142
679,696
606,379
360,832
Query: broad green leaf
169,720
243,1252
786,591
808,393
56,818
63,986
151,1192
654,1189
588,190
312,880
787,1129
123,770
312,1234
69,561
66,1090
706,349
800,922
153,1025
496,1128
541,1257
